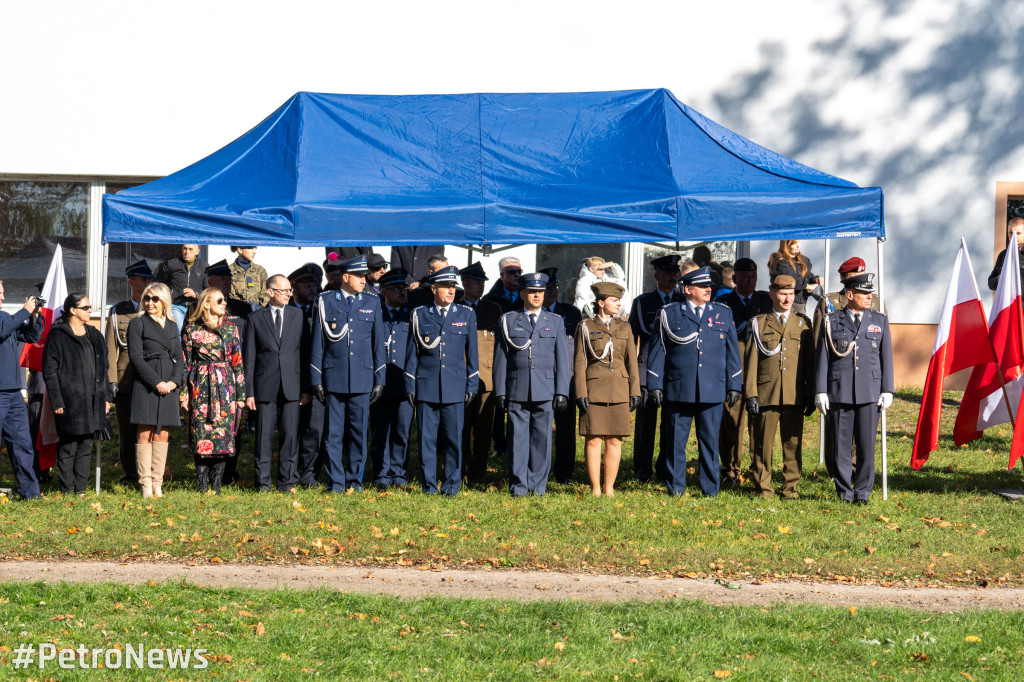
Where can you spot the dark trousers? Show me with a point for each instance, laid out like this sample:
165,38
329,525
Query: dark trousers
788,420
476,436
35,414
14,425
127,434
284,416
74,454
311,442
390,423
345,433
499,433
529,447
565,442
440,439
854,426
643,441
730,439
676,419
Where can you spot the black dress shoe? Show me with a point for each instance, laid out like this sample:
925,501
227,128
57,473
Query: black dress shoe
730,482
863,503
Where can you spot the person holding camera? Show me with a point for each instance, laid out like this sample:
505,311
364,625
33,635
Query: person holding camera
13,412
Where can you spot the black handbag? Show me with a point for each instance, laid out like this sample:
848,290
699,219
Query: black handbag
106,432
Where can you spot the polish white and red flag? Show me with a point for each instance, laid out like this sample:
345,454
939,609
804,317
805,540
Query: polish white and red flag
994,384
55,290
962,341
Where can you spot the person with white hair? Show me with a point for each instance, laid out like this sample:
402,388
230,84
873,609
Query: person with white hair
596,269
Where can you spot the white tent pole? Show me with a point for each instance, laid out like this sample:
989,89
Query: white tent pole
821,417
103,327
885,452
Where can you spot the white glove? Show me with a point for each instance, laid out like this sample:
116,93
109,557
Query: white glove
821,402
884,401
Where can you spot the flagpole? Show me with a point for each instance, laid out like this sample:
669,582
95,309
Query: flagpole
821,417
103,326
885,451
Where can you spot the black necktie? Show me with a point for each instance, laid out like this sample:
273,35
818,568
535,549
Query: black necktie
442,312
856,320
350,299
533,320
278,321
699,311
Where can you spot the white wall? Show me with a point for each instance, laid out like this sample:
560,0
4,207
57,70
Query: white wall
920,97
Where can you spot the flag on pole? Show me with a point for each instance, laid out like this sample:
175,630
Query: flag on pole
961,341
55,290
984,404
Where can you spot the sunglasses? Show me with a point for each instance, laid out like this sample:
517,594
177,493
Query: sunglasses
150,299
280,291
83,307
218,301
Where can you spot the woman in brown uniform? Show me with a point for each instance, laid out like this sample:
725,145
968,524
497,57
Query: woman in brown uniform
607,384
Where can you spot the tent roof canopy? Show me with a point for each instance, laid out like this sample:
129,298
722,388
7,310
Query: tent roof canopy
357,170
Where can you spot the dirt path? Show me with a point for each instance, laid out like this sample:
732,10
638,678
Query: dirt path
526,585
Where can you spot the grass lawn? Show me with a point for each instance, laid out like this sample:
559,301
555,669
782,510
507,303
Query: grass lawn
940,525
286,635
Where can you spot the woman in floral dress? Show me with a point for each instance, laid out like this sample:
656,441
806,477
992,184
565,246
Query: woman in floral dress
214,386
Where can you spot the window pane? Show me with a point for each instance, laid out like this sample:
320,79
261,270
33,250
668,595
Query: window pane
720,251
568,258
34,218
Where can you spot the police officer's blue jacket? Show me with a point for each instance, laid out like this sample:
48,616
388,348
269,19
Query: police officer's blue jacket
348,343
441,366
396,338
694,360
531,365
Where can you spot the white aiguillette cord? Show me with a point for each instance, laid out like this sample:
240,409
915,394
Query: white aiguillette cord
609,348
756,333
666,332
508,340
333,336
416,331
831,344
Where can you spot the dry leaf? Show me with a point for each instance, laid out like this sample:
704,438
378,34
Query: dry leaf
559,646
853,610
870,550
785,531
396,530
260,629
722,674
972,638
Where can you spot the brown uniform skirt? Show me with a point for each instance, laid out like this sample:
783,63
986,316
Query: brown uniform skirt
606,419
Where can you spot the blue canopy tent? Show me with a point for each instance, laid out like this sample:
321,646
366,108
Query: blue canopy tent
358,170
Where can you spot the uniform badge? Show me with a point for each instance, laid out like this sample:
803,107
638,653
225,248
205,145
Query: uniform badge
843,345
426,339
334,325
874,328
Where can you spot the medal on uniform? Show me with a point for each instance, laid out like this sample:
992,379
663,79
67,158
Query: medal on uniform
426,339
334,325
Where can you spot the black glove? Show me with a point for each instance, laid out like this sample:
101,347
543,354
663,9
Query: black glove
411,397
469,397
113,391
656,397
501,402
809,408
634,402
376,393
560,403
583,404
731,397
318,391
753,407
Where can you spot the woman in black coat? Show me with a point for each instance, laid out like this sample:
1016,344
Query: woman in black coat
154,346
75,372
789,261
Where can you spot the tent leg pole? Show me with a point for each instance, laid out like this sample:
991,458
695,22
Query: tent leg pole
821,437
99,459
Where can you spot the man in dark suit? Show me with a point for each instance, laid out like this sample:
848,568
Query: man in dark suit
391,416
13,413
565,421
746,302
531,380
853,383
693,368
273,367
441,377
413,259
505,291
347,371
305,287
642,317
479,424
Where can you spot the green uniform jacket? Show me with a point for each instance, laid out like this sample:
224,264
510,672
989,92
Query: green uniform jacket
783,378
249,285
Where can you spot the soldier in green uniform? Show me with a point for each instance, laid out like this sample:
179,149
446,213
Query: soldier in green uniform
119,369
778,366
248,280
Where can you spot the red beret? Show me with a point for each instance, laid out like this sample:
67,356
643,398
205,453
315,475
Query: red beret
854,264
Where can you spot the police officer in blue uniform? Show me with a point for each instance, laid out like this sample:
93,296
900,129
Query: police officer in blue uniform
693,367
853,383
642,317
347,370
532,371
441,377
391,416
25,326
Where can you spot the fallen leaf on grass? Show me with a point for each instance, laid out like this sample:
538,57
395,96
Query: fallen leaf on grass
785,530
560,646
972,638
759,536
853,610
870,550
260,629
722,674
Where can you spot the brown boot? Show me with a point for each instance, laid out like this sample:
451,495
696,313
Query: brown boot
144,467
159,460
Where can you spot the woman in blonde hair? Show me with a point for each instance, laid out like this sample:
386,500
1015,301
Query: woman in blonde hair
215,388
154,347
789,261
